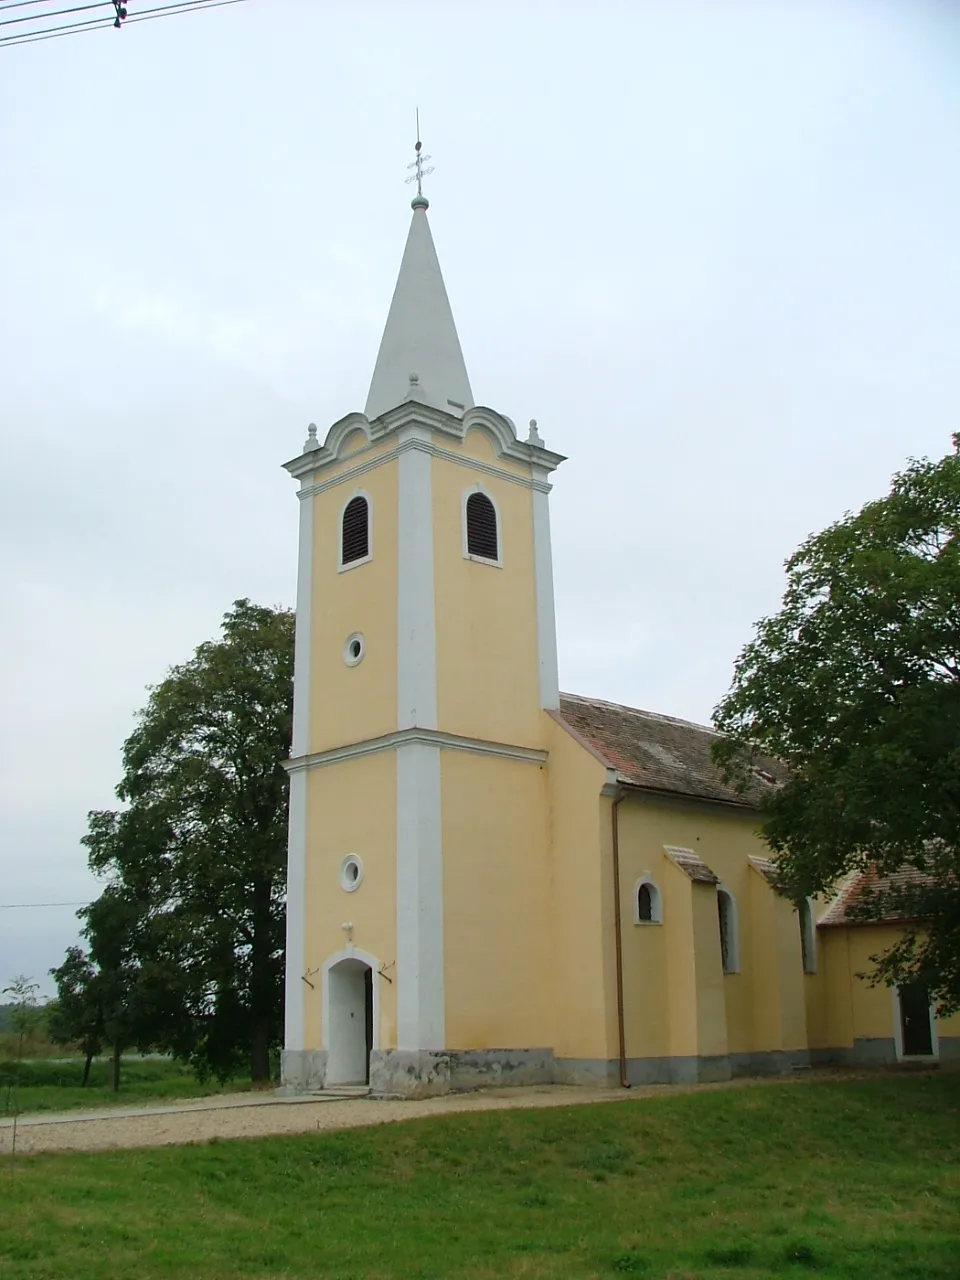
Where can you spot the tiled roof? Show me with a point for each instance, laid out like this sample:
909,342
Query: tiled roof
657,752
692,864
766,868
861,887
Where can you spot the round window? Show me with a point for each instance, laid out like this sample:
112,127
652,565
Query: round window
354,649
351,873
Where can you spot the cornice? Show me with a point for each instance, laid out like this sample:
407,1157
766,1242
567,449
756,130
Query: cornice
421,737
423,446
497,427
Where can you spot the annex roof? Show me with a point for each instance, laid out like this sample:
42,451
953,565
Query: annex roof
860,887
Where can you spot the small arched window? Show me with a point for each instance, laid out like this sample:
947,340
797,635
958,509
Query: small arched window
482,534
729,943
808,936
355,532
647,903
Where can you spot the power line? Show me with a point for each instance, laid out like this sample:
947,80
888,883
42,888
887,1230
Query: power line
20,906
57,13
98,24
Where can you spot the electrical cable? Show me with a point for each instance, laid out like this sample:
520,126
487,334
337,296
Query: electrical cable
95,24
57,13
18,906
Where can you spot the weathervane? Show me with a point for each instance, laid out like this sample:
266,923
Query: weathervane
418,164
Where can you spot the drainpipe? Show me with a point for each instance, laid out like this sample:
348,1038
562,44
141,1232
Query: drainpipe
618,935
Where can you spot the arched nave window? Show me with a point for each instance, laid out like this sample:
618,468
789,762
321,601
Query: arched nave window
729,934
808,935
647,902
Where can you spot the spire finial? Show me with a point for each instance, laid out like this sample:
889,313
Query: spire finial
419,201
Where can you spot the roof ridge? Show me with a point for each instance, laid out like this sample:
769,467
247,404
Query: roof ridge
641,711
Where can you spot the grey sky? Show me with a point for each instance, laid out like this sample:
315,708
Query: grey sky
711,247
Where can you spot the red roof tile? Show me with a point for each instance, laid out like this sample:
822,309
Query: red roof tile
864,885
657,752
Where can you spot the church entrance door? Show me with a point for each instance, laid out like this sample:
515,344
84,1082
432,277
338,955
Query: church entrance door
915,1027
351,1022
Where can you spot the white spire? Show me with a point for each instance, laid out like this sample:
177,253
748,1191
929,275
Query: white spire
420,356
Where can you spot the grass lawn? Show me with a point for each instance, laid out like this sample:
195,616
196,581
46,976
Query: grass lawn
858,1179
55,1086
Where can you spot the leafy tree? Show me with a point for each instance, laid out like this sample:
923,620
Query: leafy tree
192,932
76,1016
855,686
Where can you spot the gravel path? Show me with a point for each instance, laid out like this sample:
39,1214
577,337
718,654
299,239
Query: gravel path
240,1116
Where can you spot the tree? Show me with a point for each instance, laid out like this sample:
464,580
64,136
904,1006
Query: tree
192,932
855,686
77,1014
24,1012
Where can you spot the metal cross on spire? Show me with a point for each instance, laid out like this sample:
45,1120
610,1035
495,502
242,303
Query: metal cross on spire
420,172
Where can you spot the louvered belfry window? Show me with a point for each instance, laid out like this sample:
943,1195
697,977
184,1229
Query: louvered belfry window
481,527
355,535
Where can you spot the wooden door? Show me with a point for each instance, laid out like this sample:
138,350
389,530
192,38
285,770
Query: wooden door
915,1029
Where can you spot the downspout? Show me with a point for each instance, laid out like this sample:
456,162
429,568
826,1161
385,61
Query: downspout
618,936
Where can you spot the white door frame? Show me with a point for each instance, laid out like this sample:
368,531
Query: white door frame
348,953
934,1053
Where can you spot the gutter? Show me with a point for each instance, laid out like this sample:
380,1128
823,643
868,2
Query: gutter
618,933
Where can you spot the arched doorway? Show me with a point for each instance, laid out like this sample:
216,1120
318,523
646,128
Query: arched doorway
349,1020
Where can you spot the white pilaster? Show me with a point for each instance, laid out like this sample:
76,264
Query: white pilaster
420,1009
416,624
543,577
420,990
293,1036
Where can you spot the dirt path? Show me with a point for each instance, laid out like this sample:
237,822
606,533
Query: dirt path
239,1116
242,1115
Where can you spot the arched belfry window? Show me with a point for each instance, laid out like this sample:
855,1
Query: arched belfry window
647,903
729,941
483,536
355,532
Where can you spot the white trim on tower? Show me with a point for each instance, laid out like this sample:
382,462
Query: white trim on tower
416,624
420,1008
293,1036
543,578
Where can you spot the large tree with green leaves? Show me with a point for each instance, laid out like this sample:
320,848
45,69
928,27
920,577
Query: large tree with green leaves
188,939
855,686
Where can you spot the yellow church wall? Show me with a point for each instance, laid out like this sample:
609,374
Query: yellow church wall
646,962
352,704
680,989
773,963
486,632
499,983
713,986
351,808
847,1007
583,973
759,1010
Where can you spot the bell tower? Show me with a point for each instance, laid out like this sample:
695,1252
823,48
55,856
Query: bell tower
425,665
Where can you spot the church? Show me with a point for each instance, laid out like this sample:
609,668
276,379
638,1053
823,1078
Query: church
490,881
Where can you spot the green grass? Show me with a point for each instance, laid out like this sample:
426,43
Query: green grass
851,1180
55,1086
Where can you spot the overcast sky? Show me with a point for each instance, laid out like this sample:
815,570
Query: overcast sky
712,247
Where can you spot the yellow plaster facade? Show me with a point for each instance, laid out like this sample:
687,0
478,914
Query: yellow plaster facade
488,881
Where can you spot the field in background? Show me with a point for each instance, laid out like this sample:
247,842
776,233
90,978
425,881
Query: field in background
844,1181
51,1085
